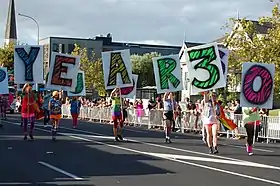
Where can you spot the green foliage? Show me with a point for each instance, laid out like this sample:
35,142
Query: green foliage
93,70
248,46
143,66
7,56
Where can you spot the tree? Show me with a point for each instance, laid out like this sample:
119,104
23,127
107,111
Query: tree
93,70
143,66
7,56
248,46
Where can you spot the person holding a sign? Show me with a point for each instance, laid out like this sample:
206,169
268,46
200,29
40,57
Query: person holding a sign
3,106
28,110
252,120
168,108
55,105
75,107
117,114
209,118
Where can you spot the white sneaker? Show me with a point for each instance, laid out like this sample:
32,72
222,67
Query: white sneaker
250,153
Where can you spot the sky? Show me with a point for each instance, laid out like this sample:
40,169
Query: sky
166,22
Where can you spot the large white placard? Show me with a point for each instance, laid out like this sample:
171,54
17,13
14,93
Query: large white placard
257,85
117,69
80,89
168,75
4,78
130,92
205,69
28,64
63,72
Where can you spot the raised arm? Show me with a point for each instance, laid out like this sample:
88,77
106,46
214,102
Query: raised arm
113,92
61,97
165,96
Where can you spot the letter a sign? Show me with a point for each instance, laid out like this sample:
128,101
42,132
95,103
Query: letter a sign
167,72
117,69
28,64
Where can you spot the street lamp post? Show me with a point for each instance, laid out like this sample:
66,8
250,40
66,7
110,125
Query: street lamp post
38,34
37,24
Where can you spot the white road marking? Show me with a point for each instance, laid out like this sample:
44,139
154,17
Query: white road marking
172,159
60,170
157,145
15,183
183,162
89,136
151,144
255,149
213,160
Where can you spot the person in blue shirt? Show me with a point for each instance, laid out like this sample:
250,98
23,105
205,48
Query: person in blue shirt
75,106
55,105
45,106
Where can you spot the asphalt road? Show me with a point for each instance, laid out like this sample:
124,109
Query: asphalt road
89,156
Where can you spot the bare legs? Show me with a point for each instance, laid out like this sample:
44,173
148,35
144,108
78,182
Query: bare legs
212,131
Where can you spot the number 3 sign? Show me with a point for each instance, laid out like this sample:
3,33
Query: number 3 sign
257,85
205,69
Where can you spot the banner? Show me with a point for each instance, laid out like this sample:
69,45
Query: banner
130,92
80,89
63,72
205,69
168,75
117,69
257,85
28,64
4,87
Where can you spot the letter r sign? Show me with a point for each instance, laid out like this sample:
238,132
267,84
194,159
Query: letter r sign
63,72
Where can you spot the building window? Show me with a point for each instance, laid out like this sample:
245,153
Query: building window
55,47
71,47
61,48
90,53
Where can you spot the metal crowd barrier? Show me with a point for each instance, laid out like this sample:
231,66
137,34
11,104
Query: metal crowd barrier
187,122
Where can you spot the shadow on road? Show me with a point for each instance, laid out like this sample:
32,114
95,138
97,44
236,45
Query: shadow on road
19,159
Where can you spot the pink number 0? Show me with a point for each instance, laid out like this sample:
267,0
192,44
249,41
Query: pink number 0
262,95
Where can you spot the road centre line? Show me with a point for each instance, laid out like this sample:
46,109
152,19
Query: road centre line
256,149
175,160
162,146
172,159
60,170
151,144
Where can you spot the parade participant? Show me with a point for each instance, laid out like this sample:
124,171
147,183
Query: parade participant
116,114
75,106
209,118
251,119
168,117
28,110
55,105
3,106
45,106
40,114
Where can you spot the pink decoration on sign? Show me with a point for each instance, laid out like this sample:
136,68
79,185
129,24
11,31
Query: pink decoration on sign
260,96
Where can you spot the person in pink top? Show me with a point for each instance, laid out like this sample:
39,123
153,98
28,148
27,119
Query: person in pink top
140,112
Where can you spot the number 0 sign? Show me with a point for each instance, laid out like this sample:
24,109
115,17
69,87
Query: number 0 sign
257,85
205,69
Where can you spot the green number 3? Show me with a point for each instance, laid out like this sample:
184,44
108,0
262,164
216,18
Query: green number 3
206,55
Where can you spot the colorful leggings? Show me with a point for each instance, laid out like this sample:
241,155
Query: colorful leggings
25,123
